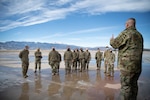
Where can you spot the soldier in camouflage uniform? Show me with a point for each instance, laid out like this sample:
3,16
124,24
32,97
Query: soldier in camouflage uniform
98,57
106,55
74,66
23,55
78,61
87,58
111,61
130,46
53,59
68,60
82,59
38,57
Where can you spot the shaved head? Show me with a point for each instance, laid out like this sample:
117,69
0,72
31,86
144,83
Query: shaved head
130,22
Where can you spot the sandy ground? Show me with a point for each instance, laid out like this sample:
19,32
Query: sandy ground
88,85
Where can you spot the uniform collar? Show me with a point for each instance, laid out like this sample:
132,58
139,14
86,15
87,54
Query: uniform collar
131,28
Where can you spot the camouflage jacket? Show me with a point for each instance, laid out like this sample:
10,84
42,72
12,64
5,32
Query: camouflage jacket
75,56
68,55
81,55
130,48
23,55
38,55
87,55
53,56
111,58
106,54
98,55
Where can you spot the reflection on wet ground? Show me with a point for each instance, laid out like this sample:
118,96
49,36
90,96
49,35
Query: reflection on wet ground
88,85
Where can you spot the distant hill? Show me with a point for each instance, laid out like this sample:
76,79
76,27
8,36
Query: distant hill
14,45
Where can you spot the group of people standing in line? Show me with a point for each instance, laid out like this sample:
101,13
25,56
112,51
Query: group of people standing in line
74,60
79,60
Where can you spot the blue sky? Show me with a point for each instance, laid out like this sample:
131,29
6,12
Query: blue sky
88,23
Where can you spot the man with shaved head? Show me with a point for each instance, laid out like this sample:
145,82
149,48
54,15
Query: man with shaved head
130,49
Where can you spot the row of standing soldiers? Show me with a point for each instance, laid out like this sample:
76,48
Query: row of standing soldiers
80,60
73,60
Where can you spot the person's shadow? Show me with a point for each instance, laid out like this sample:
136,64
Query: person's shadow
25,92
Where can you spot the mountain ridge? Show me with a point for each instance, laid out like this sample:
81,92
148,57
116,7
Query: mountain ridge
17,45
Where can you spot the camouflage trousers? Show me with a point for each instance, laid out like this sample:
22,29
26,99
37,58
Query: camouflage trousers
106,65
58,66
37,63
74,66
87,64
98,62
54,65
82,61
129,86
110,69
68,64
78,64
25,66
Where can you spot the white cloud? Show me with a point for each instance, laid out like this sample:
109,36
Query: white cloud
16,13
85,31
99,29
99,37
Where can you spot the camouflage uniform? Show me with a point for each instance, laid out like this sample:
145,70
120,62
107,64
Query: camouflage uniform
130,46
106,55
111,61
87,58
82,60
78,61
23,55
98,57
74,54
68,60
38,56
53,59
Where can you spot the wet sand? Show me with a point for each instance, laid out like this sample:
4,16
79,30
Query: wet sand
88,85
